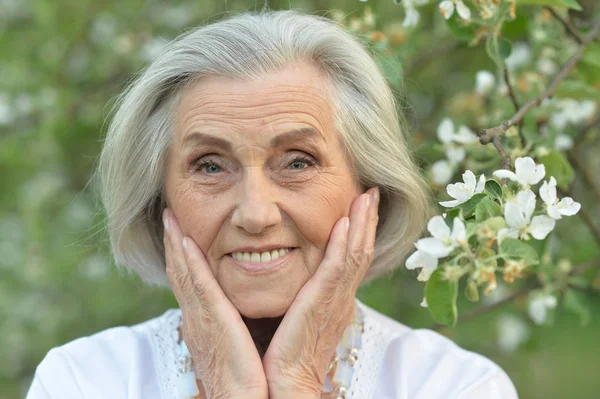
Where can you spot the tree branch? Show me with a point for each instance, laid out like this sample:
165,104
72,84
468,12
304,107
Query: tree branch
515,295
487,135
568,27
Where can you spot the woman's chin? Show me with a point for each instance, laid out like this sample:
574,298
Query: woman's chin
262,306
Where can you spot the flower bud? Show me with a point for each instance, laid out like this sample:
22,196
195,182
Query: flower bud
471,291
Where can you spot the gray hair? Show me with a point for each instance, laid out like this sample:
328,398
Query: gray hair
131,168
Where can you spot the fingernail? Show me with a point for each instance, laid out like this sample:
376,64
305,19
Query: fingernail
165,219
376,196
367,201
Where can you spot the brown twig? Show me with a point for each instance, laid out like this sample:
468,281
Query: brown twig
568,27
505,157
513,98
486,135
515,295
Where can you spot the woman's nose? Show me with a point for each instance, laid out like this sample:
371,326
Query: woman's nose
256,208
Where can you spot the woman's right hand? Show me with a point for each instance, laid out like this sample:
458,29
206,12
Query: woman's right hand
218,340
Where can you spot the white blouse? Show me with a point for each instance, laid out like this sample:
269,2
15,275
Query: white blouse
395,361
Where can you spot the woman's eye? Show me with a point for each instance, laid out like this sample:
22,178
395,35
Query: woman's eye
300,163
208,167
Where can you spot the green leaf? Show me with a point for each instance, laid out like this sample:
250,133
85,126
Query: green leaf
577,90
471,291
487,208
575,302
519,250
498,49
493,188
556,165
461,30
553,3
469,207
441,298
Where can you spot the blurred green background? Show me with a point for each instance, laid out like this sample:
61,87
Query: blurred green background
64,61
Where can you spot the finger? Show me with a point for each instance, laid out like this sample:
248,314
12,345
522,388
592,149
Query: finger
359,215
370,232
176,270
202,278
335,254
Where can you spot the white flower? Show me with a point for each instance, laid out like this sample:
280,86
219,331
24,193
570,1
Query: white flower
447,9
572,111
425,262
538,307
546,66
411,16
449,138
441,172
424,302
563,142
519,56
526,172
512,331
557,209
517,214
462,192
484,82
430,249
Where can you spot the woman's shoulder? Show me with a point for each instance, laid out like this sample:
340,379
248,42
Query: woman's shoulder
104,364
421,363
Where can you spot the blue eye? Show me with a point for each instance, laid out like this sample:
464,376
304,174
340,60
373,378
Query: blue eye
301,163
211,168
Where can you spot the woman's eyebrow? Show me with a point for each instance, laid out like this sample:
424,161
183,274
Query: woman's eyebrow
305,133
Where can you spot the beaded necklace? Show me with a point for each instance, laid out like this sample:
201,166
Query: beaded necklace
338,377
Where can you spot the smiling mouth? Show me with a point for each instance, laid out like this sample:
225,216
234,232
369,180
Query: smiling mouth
260,257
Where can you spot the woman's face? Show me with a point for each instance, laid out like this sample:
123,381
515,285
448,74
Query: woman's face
257,166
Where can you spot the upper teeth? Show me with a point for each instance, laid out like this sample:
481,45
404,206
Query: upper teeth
256,257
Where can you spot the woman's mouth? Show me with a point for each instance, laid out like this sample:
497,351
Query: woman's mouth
257,263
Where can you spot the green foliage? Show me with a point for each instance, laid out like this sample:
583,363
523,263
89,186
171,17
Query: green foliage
441,297
553,3
557,165
518,250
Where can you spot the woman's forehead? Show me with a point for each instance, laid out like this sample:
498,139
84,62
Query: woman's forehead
286,100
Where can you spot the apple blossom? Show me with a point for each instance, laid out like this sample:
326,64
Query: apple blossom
517,214
462,192
538,307
526,172
557,209
440,245
563,142
441,172
447,9
484,82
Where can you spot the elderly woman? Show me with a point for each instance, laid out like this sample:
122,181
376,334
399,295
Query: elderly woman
258,169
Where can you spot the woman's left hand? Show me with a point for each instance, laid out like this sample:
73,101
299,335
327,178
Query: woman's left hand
304,345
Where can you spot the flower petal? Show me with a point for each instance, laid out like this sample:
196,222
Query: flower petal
526,201
445,131
541,226
459,231
507,233
463,11
438,228
480,185
424,261
568,207
548,191
553,212
538,174
514,216
464,135
459,191
505,174
524,169
411,17
451,204
434,247
470,180
447,8
441,172
455,153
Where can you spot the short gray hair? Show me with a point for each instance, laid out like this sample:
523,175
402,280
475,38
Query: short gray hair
131,168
